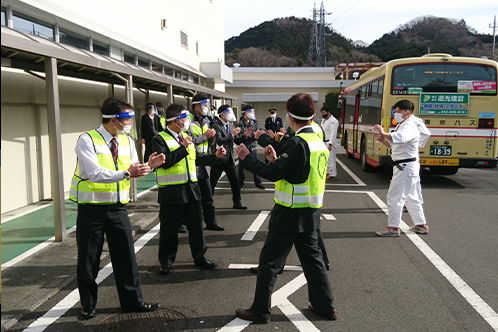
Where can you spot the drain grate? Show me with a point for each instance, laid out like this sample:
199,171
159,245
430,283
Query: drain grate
157,320
183,272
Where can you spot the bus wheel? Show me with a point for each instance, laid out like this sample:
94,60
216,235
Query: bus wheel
366,167
443,170
348,155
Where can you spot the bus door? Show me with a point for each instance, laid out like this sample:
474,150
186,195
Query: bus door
355,126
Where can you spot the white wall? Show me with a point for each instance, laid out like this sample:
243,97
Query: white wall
138,24
25,175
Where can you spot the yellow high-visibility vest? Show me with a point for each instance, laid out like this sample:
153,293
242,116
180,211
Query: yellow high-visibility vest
84,191
310,193
196,131
180,172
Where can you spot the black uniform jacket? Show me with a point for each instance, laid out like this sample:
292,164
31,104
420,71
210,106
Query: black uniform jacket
225,139
177,194
275,126
293,166
249,142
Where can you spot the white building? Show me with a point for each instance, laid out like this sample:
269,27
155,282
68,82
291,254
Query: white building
269,87
61,59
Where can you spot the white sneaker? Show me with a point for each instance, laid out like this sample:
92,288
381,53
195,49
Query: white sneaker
421,229
389,232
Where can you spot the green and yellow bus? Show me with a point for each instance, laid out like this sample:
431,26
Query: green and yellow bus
456,97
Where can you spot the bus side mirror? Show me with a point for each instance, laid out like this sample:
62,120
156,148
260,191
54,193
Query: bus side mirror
339,103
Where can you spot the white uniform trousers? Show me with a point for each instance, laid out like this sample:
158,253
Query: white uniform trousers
331,167
405,189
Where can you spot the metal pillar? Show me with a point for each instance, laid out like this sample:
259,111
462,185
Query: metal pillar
129,99
54,137
171,98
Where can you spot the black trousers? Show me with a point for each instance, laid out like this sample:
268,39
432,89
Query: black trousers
91,224
273,255
231,172
322,247
171,216
242,177
208,209
148,150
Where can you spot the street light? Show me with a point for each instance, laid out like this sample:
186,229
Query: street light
340,86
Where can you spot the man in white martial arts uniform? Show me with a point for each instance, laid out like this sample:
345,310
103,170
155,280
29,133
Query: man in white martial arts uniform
405,183
329,126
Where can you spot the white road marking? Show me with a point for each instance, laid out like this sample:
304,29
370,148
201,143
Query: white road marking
72,298
486,312
329,216
254,228
351,174
279,298
248,266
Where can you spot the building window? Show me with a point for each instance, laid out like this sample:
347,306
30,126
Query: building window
100,48
197,48
128,57
157,67
184,39
178,74
4,16
196,80
32,26
143,63
168,71
74,39
184,77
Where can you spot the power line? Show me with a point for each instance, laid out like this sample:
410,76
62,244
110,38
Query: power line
361,14
347,10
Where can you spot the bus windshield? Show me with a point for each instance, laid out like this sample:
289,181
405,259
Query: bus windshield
443,77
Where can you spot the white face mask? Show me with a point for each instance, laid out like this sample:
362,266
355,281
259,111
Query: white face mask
250,115
185,126
273,116
126,129
205,110
230,117
398,117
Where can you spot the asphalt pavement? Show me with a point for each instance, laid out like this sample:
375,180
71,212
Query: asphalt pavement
444,281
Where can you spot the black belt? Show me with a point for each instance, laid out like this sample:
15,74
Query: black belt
402,161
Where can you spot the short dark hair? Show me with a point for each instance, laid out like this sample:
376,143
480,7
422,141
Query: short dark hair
404,105
247,107
300,104
223,108
174,110
325,108
159,103
112,106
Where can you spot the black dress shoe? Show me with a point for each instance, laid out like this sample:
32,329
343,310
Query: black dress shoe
215,227
143,307
165,269
206,264
260,186
330,315
87,314
239,206
182,229
246,315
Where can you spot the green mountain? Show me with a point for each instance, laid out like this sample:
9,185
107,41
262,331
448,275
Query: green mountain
285,41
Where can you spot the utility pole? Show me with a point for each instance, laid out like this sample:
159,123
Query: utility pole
494,37
317,51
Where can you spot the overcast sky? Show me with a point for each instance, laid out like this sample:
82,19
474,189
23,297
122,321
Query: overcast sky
365,20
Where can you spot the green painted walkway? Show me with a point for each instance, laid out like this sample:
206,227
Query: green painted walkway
21,234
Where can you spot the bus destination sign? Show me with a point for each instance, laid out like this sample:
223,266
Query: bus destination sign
444,104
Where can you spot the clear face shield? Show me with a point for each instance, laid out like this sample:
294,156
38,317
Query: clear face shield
184,124
250,114
229,115
126,124
205,106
